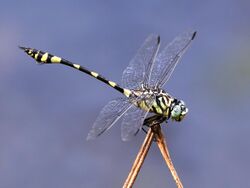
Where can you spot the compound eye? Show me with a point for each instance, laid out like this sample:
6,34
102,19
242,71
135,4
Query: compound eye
176,111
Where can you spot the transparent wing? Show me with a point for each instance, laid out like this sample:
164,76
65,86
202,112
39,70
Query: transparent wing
133,76
167,59
133,120
108,116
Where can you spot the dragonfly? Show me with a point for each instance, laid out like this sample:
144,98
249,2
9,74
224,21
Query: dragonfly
142,85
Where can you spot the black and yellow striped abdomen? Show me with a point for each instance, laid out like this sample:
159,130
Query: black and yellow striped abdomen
47,58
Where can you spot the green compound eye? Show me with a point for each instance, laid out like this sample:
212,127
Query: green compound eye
176,112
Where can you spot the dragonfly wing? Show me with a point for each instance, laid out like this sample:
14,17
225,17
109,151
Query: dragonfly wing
167,59
132,122
134,75
108,116
134,118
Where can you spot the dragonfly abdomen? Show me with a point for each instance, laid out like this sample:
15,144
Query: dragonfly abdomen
47,58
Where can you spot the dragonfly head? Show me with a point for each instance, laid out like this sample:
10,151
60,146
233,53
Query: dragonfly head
179,110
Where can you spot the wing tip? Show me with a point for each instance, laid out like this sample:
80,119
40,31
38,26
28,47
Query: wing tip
90,137
125,139
158,39
194,34
93,134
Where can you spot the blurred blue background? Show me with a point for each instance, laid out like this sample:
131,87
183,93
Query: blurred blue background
47,111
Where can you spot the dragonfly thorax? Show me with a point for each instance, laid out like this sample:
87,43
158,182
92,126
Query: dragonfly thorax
160,102
153,100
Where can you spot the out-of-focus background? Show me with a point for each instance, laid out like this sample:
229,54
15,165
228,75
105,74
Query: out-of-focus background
47,111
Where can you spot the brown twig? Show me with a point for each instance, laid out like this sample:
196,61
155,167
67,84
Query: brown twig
153,132
161,142
139,160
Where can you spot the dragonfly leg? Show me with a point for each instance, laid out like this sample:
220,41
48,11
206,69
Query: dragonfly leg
153,120
144,130
150,122
137,132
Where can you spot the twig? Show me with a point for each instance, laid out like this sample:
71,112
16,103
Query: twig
153,132
161,142
139,160
149,122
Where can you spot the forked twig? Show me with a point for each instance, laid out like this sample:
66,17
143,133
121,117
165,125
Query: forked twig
161,142
153,132
139,160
